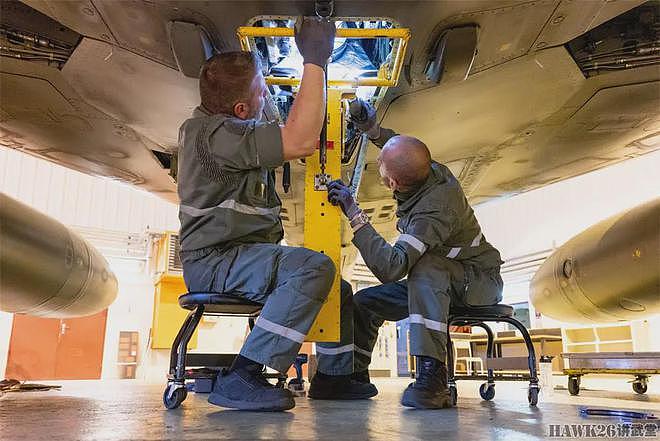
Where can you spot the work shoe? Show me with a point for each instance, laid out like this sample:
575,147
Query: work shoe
429,390
339,387
246,388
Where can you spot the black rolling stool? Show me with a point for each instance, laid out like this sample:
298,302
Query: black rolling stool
200,304
476,316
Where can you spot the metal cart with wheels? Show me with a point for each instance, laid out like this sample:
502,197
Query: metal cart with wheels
640,365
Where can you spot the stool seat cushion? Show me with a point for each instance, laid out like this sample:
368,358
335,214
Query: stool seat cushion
499,310
220,303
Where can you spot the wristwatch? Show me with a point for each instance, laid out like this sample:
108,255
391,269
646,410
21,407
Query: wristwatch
359,220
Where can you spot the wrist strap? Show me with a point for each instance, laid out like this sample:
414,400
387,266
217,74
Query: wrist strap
357,227
359,220
356,215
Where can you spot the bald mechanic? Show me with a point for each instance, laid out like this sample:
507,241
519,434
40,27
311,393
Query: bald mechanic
441,251
229,212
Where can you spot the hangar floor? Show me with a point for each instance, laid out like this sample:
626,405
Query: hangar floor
128,410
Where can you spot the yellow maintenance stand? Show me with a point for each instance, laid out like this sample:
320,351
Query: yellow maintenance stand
322,220
322,226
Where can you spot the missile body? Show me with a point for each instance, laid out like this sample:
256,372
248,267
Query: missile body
610,272
48,270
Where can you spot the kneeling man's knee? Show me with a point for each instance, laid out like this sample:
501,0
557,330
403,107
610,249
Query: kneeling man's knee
365,298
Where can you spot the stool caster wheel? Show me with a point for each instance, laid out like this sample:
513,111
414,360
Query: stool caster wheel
533,394
640,385
174,395
487,391
453,393
574,385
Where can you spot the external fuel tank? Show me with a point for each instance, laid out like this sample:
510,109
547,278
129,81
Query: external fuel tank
48,270
610,272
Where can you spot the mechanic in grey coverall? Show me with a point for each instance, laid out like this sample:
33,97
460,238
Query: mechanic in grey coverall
442,252
229,211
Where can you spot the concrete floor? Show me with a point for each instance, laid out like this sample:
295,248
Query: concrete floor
131,410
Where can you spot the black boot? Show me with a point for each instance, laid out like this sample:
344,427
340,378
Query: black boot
361,376
246,388
429,391
339,387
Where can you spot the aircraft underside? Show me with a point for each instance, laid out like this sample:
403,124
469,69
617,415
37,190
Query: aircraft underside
510,95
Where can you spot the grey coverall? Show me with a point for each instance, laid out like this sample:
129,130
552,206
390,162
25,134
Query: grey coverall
230,230
446,258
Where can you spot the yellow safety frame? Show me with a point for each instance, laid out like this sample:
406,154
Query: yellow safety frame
322,226
323,221
384,78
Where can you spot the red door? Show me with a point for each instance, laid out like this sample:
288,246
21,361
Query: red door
56,349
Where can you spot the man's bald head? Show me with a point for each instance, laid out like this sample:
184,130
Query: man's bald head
406,161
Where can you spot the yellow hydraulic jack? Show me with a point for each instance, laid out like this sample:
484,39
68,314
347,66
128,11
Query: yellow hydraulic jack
322,227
